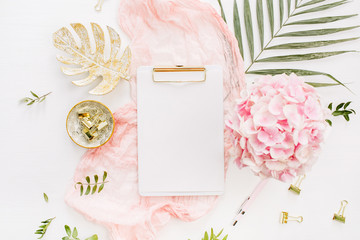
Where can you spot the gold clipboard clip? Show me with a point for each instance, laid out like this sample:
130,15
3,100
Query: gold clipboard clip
178,68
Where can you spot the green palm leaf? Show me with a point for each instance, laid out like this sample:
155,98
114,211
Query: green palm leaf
249,28
222,10
316,32
302,57
311,3
321,20
281,9
237,29
302,45
322,7
260,21
270,7
299,8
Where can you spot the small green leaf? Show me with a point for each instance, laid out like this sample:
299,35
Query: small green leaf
260,21
317,85
346,105
338,113
303,45
101,188
88,189
347,117
322,7
87,179
94,189
219,234
104,176
93,237
339,106
330,106
222,10
206,236
65,238
32,93
352,110
42,99
31,102
96,178
68,230
237,29
46,198
302,57
225,238
75,233
270,8
316,32
321,20
81,190
329,122
249,28
212,235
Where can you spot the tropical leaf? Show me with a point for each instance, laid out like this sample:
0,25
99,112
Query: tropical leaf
249,28
94,63
322,7
316,32
315,44
302,10
301,57
270,7
237,29
260,21
222,10
321,20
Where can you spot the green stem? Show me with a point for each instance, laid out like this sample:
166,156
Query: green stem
275,35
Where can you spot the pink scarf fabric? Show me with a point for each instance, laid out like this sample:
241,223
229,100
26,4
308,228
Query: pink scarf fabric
163,32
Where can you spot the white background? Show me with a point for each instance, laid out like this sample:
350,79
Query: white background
37,155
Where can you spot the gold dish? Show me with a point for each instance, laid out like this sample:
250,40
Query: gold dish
75,128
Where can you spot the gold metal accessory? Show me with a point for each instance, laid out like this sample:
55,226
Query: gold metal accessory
90,137
178,68
99,5
296,187
339,216
284,218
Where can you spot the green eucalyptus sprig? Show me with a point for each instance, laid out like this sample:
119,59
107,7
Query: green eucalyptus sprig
36,98
341,110
213,236
92,187
73,235
42,229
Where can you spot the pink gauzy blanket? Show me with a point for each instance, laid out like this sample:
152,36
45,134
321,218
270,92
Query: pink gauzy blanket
163,32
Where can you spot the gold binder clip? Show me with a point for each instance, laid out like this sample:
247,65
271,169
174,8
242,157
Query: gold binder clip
284,218
178,68
99,5
296,188
340,215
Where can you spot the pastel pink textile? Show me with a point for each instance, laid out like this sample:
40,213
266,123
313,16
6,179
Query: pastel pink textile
186,32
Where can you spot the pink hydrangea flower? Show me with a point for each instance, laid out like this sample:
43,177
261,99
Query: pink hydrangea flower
278,128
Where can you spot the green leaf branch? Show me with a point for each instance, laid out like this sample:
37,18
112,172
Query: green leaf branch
43,228
73,235
287,11
35,98
92,187
213,236
341,110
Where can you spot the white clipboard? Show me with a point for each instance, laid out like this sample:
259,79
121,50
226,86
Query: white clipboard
180,131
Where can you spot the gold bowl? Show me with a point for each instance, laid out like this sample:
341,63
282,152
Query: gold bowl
74,126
